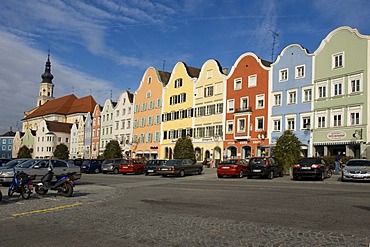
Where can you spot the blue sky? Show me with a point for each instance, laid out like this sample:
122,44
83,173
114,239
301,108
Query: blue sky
102,47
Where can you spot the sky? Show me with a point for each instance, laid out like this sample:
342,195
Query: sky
103,47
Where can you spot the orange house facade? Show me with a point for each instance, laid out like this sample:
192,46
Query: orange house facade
147,114
246,115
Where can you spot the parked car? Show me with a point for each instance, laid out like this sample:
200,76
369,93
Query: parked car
136,166
111,166
264,167
232,167
180,167
3,161
314,167
39,168
152,165
356,169
76,162
91,166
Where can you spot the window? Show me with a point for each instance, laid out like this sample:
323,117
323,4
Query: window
148,94
208,91
230,105
237,84
337,87
178,83
355,83
306,122
277,99
260,101
158,103
149,79
219,108
290,123
244,103
157,136
117,113
230,127
299,71
143,106
252,80
337,120
354,118
209,73
321,91
259,123
307,95
321,121
241,125
150,120
292,97
283,75
277,125
338,60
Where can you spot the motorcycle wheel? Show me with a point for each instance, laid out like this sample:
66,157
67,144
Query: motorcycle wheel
40,190
66,190
26,192
11,191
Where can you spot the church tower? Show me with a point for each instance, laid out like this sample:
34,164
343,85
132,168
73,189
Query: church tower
46,86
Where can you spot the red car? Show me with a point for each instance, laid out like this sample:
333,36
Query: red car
132,166
232,167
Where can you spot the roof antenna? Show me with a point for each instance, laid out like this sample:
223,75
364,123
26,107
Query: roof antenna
274,35
73,89
163,64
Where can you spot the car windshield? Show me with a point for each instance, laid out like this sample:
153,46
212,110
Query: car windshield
154,162
86,162
258,161
107,161
27,164
309,161
173,162
228,162
358,163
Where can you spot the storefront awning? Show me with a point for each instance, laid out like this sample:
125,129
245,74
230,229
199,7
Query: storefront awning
337,143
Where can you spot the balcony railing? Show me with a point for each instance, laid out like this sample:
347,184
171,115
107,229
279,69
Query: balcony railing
243,109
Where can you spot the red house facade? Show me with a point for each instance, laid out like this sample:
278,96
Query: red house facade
246,116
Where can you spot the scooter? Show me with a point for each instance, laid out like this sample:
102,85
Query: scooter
64,184
21,183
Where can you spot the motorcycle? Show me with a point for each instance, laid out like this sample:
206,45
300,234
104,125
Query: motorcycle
64,184
21,183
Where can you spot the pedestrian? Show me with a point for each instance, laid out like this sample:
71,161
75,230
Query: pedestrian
338,162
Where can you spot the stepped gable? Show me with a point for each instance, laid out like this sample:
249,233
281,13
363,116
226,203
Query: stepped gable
65,105
54,126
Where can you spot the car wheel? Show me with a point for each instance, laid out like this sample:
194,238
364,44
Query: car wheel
164,175
147,173
271,175
329,173
220,176
138,171
342,179
240,174
281,174
115,171
96,170
322,176
105,172
295,178
199,171
182,173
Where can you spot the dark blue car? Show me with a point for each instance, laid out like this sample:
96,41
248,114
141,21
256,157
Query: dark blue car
91,166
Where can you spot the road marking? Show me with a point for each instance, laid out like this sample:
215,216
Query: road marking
47,209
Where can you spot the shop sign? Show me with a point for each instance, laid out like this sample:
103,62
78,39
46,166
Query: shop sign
336,135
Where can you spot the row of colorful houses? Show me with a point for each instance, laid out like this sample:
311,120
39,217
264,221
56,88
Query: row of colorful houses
321,96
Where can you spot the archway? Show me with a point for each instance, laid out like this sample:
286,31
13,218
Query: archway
231,152
198,154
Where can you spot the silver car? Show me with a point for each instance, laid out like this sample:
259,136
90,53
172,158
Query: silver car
356,169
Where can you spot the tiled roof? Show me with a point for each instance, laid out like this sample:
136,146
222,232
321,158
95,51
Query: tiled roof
130,96
58,126
164,77
9,133
65,105
193,72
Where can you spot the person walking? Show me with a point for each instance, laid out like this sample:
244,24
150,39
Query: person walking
338,161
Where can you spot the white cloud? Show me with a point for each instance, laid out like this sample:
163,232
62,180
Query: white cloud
20,77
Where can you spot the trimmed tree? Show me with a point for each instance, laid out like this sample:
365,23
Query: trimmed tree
24,152
112,150
61,151
184,149
288,150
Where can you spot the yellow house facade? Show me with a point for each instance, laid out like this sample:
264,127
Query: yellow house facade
147,114
178,107
209,113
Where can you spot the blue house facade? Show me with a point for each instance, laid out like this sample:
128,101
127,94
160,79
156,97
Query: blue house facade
6,142
291,96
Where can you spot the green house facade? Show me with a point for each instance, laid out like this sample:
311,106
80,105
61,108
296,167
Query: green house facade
341,94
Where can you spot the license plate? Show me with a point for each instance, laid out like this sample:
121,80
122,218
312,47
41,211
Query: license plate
225,167
105,169
306,168
124,166
256,170
357,176
164,169
83,166
150,171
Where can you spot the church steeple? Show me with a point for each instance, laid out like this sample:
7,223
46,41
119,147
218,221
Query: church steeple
46,85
